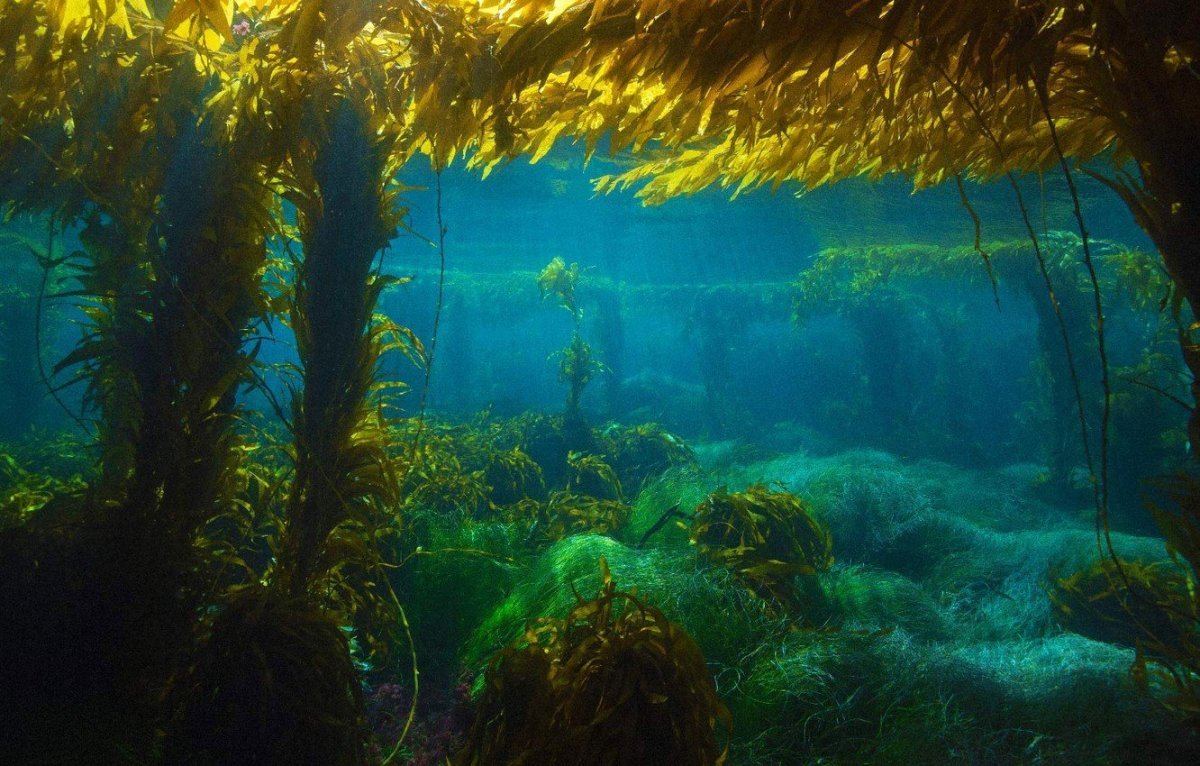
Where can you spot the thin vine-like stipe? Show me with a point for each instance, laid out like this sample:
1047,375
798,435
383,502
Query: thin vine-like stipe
991,137
416,673
437,321
1077,389
987,259
47,263
464,551
1102,520
1161,391
1062,327
416,441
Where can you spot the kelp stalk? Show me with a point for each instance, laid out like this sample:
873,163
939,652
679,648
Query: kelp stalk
341,467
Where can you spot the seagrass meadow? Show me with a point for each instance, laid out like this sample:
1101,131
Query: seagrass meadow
599,382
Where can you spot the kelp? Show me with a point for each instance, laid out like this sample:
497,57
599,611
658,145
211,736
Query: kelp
522,469
282,633
569,513
559,280
870,285
640,453
513,475
765,538
342,466
614,681
591,474
1179,668
1154,607
272,682
1123,603
26,492
576,365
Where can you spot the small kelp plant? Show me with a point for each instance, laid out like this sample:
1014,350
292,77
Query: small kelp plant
765,538
613,682
1153,607
576,366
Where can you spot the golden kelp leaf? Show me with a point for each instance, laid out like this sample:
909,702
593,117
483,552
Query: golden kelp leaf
71,12
211,12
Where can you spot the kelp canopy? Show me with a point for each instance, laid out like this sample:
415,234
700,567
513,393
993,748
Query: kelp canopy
721,92
738,93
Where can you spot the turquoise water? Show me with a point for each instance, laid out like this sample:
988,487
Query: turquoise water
926,420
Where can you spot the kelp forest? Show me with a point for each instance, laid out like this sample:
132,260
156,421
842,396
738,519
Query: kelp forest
599,382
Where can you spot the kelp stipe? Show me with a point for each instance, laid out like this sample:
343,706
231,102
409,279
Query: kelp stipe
345,221
169,279
298,698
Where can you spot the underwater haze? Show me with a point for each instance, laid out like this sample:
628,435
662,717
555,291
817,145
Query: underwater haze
813,431
599,382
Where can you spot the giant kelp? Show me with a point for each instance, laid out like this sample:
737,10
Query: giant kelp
576,365
115,112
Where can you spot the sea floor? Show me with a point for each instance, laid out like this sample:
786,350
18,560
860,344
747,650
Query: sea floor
932,639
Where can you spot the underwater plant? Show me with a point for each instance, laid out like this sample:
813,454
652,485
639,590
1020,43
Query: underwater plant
871,286
576,367
282,637
1125,602
567,513
341,462
643,452
765,538
24,492
273,683
614,681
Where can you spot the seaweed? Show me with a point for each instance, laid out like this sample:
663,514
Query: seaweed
1102,604
272,682
614,681
576,367
568,513
765,538
640,453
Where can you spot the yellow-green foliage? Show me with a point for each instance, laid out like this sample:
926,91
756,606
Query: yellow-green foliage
569,513
592,474
462,467
1152,607
577,367
613,682
559,280
512,475
846,275
765,538
641,452
487,467
1180,525
26,492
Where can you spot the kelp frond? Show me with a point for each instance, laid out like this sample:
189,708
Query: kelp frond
614,681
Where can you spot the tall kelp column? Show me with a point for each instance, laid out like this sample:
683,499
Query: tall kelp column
274,682
345,221
172,217
169,136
